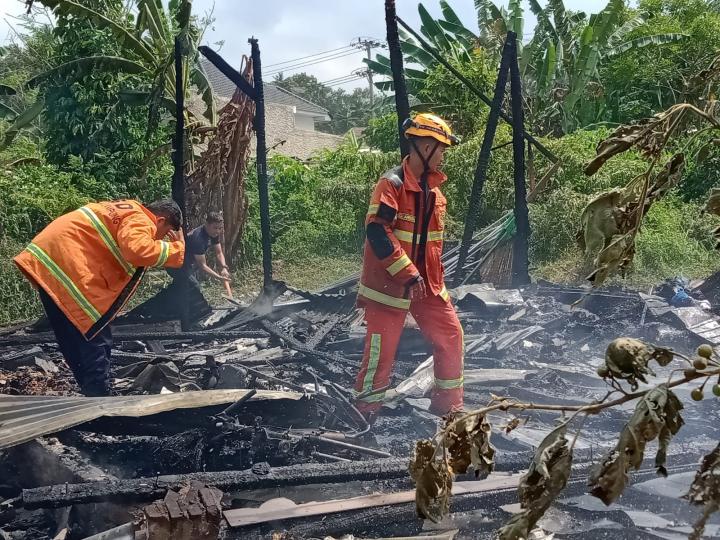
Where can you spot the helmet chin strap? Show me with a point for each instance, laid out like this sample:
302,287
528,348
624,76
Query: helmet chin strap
425,162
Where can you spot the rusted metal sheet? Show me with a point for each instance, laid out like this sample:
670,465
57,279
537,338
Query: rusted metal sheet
23,418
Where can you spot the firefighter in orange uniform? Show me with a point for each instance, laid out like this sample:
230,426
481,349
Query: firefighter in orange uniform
402,270
87,264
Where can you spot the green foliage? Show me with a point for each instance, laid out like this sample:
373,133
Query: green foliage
18,300
317,208
555,223
33,194
448,97
459,165
675,240
641,82
382,133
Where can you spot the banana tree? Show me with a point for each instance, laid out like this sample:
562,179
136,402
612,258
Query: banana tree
561,61
447,35
559,64
147,52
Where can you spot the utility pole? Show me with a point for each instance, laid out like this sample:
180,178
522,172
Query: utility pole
368,49
369,44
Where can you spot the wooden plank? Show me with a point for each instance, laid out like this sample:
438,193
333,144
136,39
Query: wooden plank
281,509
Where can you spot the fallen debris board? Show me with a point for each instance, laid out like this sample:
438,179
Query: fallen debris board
482,376
280,509
23,418
149,489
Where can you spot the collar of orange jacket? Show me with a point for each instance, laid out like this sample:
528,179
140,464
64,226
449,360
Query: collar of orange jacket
435,178
149,214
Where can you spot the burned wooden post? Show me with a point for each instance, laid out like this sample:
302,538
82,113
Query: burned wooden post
178,181
255,93
396,64
261,162
520,271
484,159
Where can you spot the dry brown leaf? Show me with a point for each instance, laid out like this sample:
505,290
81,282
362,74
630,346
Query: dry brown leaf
512,425
657,414
609,221
712,206
628,358
468,443
705,490
647,136
433,482
546,478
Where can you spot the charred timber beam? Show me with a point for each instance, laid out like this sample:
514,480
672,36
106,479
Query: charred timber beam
261,162
178,180
483,162
401,519
204,335
227,70
402,105
520,264
150,489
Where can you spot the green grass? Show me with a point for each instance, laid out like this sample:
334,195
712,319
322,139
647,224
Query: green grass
310,274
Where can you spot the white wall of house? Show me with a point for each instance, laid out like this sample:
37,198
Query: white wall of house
304,121
281,125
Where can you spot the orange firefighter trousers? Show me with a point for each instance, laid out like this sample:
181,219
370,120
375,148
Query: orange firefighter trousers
439,325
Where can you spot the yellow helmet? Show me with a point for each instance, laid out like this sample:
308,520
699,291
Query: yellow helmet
429,125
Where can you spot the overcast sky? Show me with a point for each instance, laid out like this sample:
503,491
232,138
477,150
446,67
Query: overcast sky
290,29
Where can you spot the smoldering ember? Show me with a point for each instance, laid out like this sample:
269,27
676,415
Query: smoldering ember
515,407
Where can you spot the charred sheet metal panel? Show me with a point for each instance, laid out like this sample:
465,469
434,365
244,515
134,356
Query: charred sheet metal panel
23,418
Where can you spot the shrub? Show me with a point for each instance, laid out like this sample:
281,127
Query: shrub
382,133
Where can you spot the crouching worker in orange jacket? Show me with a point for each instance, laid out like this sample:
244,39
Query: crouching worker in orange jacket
87,264
402,271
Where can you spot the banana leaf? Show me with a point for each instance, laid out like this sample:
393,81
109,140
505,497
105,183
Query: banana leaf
114,63
645,41
23,121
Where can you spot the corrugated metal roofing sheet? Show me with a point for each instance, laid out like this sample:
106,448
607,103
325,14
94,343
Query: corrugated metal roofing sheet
23,418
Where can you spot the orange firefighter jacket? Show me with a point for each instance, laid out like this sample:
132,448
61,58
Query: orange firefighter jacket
413,220
91,261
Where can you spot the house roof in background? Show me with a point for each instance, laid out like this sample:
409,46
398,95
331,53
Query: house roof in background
224,87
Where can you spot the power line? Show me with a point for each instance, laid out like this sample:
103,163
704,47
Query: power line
336,79
336,83
311,56
312,63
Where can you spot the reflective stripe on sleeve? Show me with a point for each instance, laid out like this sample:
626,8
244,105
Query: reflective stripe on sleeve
407,236
107,238
382,298
164,253
400,264
58,273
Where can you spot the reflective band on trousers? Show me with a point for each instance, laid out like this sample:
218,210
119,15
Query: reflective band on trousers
407,236
444,294
65,281
398,265
382,298
449,384
374,397
375,344
164,253
107,238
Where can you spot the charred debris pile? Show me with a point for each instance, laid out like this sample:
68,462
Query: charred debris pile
245,428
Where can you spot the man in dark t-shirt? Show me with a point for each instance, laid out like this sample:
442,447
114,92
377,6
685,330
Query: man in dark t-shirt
168,303
198,242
